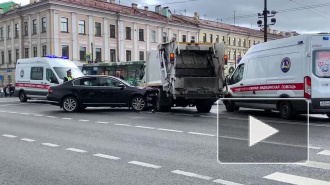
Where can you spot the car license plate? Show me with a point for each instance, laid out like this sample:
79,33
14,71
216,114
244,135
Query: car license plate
325,103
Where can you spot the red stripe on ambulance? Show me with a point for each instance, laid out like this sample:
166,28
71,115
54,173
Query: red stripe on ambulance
269,87
36,86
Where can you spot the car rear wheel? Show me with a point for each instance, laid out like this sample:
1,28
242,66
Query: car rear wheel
138,103
70,104
286,110
328,114
22,97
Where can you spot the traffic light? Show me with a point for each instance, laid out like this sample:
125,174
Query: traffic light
225,58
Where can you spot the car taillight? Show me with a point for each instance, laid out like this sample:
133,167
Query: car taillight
307,87
50,90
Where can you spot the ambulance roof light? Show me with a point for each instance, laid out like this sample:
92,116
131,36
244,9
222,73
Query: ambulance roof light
325,38
300,42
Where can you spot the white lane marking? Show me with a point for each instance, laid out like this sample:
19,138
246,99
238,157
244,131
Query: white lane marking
169,130
12,112
25,114
51,117
50,144
315,147
202,134
27,140
125,125
151,128
293,179
315,164
67,118
102,122
9,136
2,111
76,150
38,115
144,164
83,120
189,174
324,152
106,156
224,182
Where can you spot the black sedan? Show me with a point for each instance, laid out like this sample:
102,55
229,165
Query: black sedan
97,91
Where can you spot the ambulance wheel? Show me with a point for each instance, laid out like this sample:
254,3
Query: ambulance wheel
229,106
203,108
286,110
70,104
22,96
328,114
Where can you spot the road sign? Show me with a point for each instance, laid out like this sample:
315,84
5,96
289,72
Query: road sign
259,131
1,77
9,70
88,58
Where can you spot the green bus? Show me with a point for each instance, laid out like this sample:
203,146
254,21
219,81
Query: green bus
132,72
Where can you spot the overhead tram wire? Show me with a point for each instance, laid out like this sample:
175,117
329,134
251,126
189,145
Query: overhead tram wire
317,13
176,2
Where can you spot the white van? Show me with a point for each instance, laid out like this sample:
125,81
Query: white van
34,76
295,67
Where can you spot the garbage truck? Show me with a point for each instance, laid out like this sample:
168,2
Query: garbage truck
186,74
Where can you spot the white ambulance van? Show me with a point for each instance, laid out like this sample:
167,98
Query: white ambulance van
34,76
295,67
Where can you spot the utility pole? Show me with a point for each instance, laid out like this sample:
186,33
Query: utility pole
234,18
266,13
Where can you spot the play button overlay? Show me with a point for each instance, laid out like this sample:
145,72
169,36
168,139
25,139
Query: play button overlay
259,131
255,133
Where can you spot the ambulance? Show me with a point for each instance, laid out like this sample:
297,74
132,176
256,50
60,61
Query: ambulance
34,75
295,67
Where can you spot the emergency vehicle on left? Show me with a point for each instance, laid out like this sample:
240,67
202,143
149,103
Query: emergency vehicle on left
35,75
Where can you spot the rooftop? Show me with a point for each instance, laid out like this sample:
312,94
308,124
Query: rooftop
6,6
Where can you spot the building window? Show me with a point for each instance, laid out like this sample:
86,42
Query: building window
43,24
153,36
16,30
128,55
211,38
65,51
112,55
217,38
97,29
1,33
184,38
192,38
249,43
223,38
81,27
141,55
9,32
26,53
82,53
26,29
258,42
164,37
254,42
17,54
229,41
35,51
9,56
204,37
98,53
64,24
141,35
2,57
239,42
175,36
229,57
234,42
34,24
244,43
128,33
44,50
112,31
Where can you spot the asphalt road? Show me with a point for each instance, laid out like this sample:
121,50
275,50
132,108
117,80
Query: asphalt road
41,144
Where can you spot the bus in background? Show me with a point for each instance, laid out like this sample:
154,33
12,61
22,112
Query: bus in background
132,72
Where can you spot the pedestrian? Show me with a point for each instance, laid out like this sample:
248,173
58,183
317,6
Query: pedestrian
69,76
118,75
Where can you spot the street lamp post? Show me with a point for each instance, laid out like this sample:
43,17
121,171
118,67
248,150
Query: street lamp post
266,13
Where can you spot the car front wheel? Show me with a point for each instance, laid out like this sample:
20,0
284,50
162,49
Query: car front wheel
70,104
22,97
138,103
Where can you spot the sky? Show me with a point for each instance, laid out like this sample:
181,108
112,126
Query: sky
303,16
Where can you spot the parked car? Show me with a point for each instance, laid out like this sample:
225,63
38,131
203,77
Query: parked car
97,91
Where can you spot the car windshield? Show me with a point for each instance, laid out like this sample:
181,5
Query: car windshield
123,81
321,65
62,72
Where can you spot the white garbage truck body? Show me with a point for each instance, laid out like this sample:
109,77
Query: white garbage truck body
186,74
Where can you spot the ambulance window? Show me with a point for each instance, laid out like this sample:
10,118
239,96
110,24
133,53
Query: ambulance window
50,76
37,73
321,64
238,75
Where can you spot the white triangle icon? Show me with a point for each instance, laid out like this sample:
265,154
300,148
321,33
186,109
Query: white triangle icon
259,131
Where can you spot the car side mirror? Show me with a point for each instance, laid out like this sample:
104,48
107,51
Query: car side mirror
121,86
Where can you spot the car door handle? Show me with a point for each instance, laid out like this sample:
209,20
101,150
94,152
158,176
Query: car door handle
241,84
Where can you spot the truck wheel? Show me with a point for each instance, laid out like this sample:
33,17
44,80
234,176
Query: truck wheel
203,108
22,97
286,110
229,106
328,114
